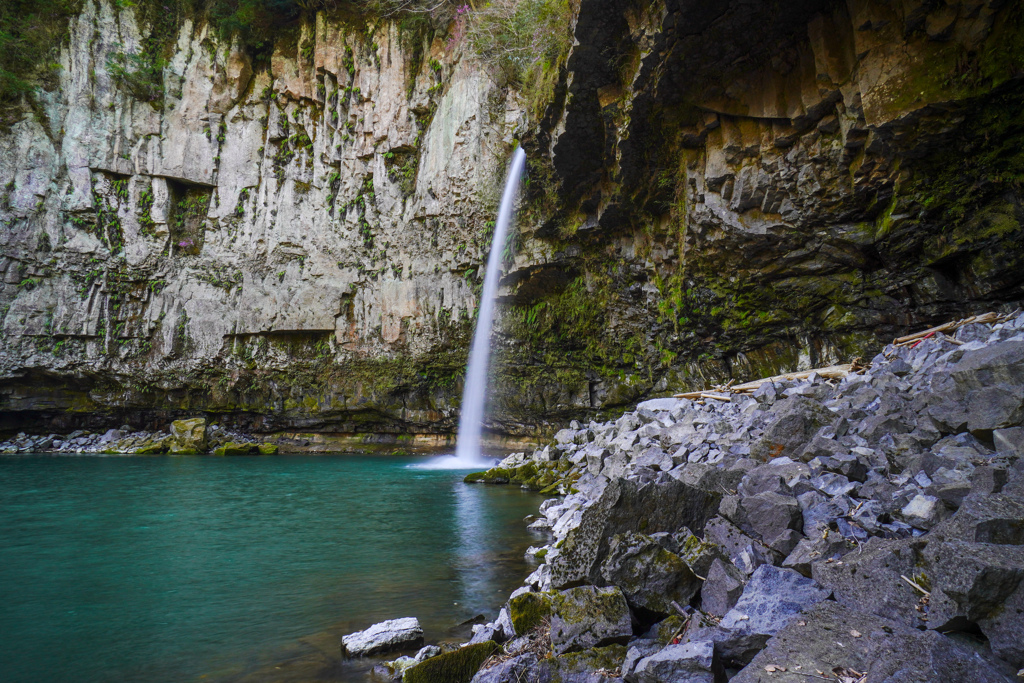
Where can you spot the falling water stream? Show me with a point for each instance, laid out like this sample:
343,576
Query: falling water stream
474,394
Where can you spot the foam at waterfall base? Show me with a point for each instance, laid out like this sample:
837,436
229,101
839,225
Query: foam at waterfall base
456,462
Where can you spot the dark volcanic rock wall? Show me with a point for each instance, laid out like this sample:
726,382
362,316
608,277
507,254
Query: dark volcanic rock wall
753,187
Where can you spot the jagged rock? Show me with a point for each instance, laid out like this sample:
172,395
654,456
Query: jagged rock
979,584
722,588
995,518
385,636
770,600
1009,440
638,649
871,580
923,511
649,576
528,610
727,536
520,668
692,662
768,515
662,505
586,617
829,545
795,420
833,638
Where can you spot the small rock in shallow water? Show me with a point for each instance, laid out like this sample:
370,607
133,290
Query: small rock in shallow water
384,637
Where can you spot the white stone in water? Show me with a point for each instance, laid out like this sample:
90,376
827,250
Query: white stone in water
383,637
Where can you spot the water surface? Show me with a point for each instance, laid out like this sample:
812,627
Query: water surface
199,568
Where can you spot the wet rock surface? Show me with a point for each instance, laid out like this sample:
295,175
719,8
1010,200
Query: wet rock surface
883,538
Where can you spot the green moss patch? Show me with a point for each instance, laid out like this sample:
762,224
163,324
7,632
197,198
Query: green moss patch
528,610
457,666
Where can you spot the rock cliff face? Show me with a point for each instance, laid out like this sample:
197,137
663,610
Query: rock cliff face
296,243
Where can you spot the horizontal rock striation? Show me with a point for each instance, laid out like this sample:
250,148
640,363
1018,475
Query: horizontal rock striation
869,526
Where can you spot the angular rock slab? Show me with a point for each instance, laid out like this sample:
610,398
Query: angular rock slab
771,599
394,634
587,617
980,584
649,576
689,663
662,505
830,636
994,518
794,423
871,580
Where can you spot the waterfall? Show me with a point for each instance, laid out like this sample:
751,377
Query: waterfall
474,394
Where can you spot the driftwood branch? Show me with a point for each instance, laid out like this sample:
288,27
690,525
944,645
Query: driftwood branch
723,392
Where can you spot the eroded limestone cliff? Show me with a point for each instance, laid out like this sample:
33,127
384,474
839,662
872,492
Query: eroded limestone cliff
295,243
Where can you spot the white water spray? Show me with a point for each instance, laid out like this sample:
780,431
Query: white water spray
474,394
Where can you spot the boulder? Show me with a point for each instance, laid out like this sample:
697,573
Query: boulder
721,590
768,515
870,580
188,437
235,448
587,616
770,600
996,518
519,668
794,422
923,511
982,585
457,666
835,639
387,636
665,504
649,576
638,649
527,610
692,662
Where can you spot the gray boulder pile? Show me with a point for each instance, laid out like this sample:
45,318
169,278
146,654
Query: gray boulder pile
863,529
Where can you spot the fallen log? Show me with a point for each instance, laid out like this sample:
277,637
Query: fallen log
831,372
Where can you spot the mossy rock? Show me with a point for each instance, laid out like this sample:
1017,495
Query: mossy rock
608,658
457,666
268,449
666,629
151,448
233,448
495,475
528,610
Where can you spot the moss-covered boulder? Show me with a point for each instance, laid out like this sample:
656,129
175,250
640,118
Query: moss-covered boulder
608,658
457,666
234,448
154,446
188,437
587,617
528,610
546,477
268,449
